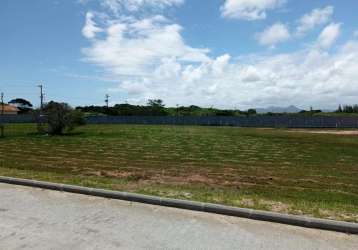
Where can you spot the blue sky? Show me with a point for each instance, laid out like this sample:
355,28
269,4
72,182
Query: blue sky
223,53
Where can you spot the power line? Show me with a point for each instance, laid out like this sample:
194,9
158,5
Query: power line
71,98
20,93
17,85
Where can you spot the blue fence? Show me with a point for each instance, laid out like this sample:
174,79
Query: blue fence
17,119
285,121
253,121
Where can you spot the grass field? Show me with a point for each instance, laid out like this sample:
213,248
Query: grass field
270,169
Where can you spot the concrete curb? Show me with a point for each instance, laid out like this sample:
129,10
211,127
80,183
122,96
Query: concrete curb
301,221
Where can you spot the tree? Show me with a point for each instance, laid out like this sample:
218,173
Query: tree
61,117
23,105
348,109
156,103
156,107
355,108
251,112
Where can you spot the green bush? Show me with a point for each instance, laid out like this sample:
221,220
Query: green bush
61,117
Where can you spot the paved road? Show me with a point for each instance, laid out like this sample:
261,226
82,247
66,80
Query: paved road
42,219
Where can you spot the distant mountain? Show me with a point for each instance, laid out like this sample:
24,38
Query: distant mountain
273,109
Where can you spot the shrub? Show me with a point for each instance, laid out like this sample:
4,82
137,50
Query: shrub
61,117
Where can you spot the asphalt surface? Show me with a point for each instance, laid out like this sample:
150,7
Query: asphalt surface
41,219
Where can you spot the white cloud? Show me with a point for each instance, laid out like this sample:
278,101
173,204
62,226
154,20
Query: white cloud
137,46
329,35
303,78
355,33
150,59
314,18
249,9
220,64
90,29
274,34
134,5
250,73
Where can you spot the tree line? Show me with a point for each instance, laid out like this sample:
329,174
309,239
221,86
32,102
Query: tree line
347,109
156,107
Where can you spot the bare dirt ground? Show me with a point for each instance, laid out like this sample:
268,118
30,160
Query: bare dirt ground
332,132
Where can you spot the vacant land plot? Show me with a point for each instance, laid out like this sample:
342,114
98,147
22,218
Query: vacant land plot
277,170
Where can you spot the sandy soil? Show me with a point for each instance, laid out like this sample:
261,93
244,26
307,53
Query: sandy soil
332,132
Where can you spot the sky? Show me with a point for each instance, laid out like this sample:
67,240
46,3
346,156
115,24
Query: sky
215,53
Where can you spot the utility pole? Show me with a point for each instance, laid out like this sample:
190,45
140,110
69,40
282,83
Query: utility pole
39,118
41,96
107,101
2,115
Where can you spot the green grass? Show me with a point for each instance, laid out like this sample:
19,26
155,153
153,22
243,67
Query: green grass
277,170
